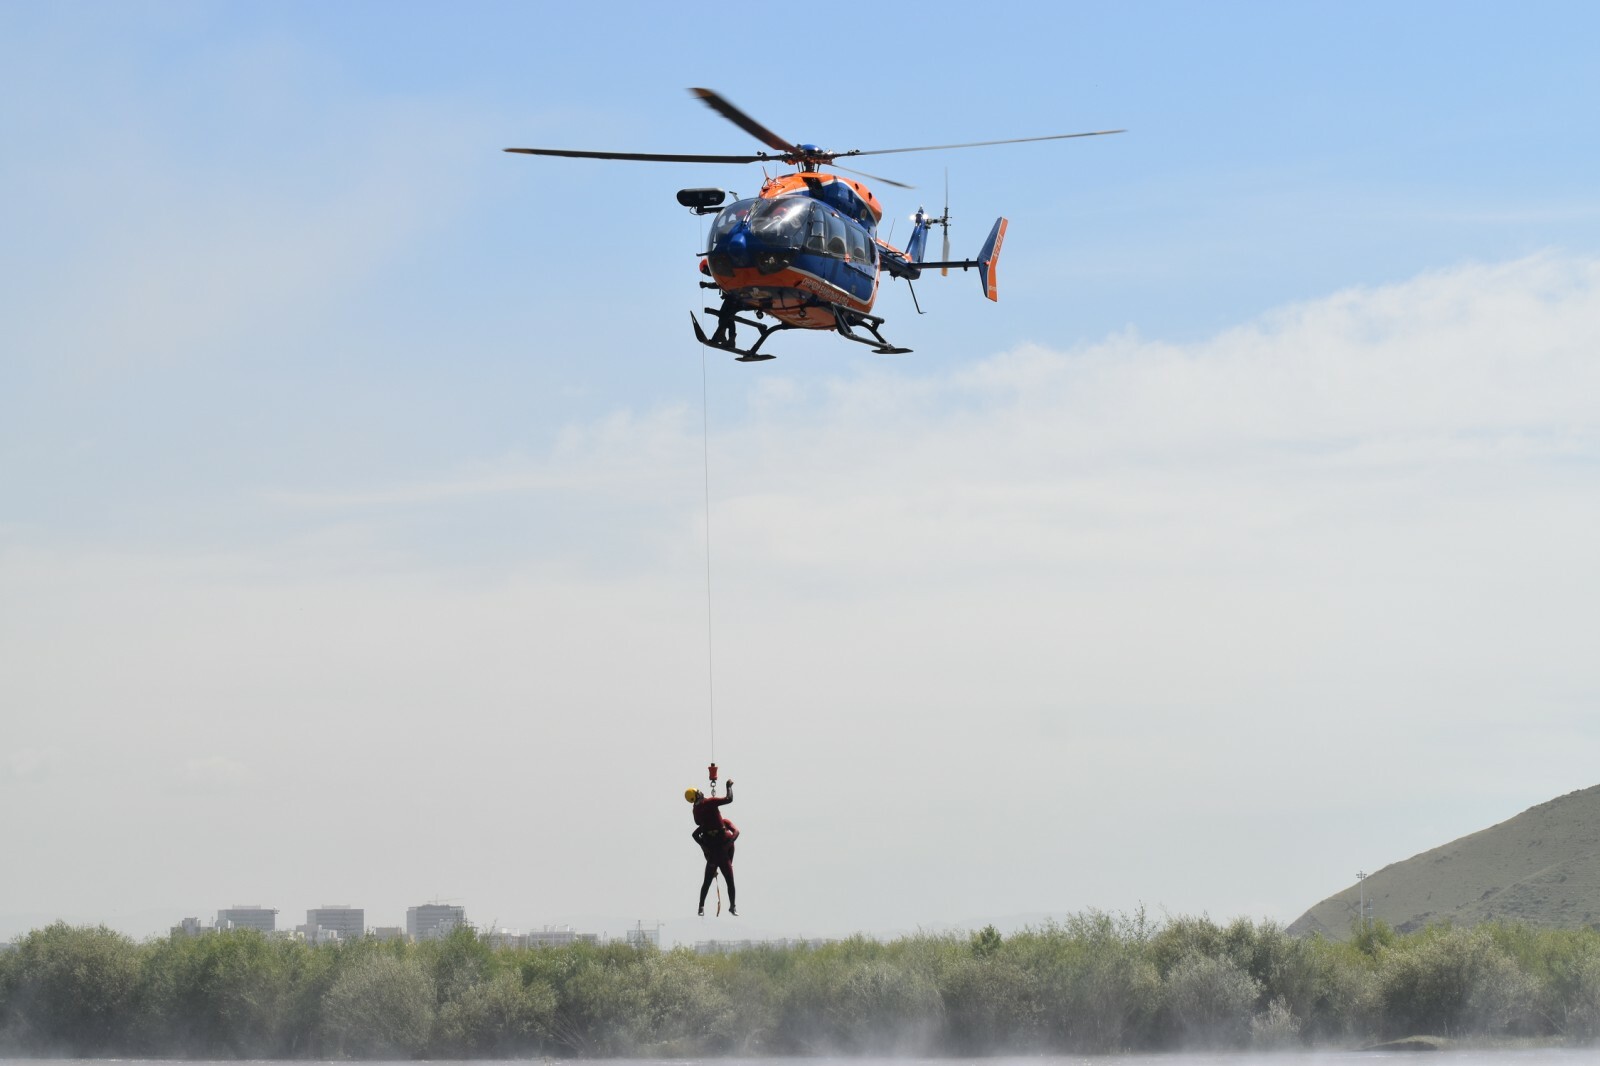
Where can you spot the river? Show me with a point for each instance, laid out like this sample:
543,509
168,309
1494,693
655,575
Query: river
1461,1057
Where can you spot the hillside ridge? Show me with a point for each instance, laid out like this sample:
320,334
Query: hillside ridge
1541,868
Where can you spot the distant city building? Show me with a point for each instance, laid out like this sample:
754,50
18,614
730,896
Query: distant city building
640,937
248,916
541,938
728,947
388,932
191,927
549,938
431,921
350,923
313,933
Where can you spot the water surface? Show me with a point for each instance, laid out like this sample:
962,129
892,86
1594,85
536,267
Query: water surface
1464,1057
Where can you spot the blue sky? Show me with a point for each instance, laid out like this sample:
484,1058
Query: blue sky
325,426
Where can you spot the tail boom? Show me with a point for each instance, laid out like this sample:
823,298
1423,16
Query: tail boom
906,265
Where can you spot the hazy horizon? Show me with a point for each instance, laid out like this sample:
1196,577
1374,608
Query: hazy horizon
352,514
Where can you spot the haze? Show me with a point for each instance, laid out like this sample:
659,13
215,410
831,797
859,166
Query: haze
352,525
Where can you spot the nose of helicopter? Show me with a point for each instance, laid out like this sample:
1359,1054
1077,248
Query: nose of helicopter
730,251
740,249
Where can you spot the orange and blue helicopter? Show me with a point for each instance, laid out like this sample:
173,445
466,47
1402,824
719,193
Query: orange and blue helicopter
805,253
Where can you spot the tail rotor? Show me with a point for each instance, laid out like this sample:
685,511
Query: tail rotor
925,222
944,220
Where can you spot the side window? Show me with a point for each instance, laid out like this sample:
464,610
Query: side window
860,247
817,231
836,241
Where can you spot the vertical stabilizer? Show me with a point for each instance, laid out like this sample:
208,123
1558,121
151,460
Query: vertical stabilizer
989,259
919,236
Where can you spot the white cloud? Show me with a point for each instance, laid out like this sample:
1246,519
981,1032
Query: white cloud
1152,595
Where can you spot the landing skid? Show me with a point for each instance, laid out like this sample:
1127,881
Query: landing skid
726,336
844,320
845,323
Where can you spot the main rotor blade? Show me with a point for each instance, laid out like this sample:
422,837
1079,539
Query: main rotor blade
978,144
755,129
647,157
874,177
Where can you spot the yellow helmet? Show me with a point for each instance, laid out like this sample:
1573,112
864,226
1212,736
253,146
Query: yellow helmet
691,794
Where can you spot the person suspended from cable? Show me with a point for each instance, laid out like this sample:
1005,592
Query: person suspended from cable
716,836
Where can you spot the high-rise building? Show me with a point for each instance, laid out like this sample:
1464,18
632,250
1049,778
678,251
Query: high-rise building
432,921
350,923
248,916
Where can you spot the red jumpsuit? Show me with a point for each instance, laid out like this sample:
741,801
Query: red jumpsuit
715,835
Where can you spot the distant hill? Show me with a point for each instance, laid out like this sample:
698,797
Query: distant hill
1541,868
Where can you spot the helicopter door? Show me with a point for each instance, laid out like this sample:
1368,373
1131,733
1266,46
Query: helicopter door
817,230
838,246
861,250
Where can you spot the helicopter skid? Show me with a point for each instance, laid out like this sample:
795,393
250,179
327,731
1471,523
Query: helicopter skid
725,337
845,320
845,323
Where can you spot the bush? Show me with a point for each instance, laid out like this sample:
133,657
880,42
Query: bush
223,995
1274,1028
497,1018
1209,1001
1098,988
1091,984
1450,982
381,1006
71,991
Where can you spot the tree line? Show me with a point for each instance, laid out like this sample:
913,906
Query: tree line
1094,983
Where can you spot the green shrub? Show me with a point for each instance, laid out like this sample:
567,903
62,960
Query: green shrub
71,991
1097,984
1451,982
1209,1001
381,1006
1091,984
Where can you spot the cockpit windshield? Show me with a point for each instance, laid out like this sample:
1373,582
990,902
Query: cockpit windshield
780,222
794,224
729,217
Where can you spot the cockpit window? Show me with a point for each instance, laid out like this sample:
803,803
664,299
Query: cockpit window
729,217
817,231
860,246
779,221
836,239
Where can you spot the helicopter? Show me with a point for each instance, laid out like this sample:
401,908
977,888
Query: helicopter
805,252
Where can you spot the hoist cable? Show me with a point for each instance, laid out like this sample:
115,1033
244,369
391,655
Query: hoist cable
705,456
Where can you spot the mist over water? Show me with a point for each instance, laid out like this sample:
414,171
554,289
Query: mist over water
1464,1057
